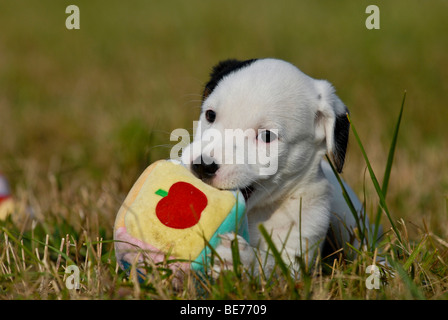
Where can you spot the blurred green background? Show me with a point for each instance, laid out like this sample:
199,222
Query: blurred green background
95,106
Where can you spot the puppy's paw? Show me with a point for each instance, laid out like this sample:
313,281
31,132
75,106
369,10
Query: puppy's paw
224,258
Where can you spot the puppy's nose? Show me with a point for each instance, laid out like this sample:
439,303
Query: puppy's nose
204,167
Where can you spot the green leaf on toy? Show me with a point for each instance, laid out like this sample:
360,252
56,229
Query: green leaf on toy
161,193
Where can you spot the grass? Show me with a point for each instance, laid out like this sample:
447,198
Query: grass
83,112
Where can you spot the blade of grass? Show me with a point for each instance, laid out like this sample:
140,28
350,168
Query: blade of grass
283,267
349,202
56,250
374,180
236,257
354,249
390,159
414,253
21,246
413,288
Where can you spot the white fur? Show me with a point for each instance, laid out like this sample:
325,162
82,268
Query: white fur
274,94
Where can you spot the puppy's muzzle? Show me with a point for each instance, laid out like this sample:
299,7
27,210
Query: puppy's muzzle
204,167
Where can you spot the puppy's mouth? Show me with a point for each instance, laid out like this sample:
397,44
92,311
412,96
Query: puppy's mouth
247,191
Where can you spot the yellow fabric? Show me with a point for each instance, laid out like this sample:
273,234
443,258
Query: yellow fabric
119,220
6,208
142,223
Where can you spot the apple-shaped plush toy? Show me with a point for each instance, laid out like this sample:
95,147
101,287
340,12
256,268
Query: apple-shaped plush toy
170,215
6,202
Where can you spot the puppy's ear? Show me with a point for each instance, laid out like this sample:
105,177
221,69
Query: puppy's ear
331,123
222,69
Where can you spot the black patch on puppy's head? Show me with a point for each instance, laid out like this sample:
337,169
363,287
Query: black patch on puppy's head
222,69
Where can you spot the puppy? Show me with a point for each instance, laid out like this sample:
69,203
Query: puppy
293,120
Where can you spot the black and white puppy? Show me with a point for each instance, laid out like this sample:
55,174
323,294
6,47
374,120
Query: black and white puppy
296,120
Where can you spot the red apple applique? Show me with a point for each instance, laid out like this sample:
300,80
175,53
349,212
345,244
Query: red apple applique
181,206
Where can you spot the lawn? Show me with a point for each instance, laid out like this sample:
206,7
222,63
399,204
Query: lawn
83,112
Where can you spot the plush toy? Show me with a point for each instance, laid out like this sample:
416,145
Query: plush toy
169,214
6,202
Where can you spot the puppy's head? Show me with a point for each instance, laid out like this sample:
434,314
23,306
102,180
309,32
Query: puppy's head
264,127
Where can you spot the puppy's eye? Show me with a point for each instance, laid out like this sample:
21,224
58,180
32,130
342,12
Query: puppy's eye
267,136
210,115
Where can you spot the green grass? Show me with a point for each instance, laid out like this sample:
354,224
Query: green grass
82,113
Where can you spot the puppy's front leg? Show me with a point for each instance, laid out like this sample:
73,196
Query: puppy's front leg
224,251
252,259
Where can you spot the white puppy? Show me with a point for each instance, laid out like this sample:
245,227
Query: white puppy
294,120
